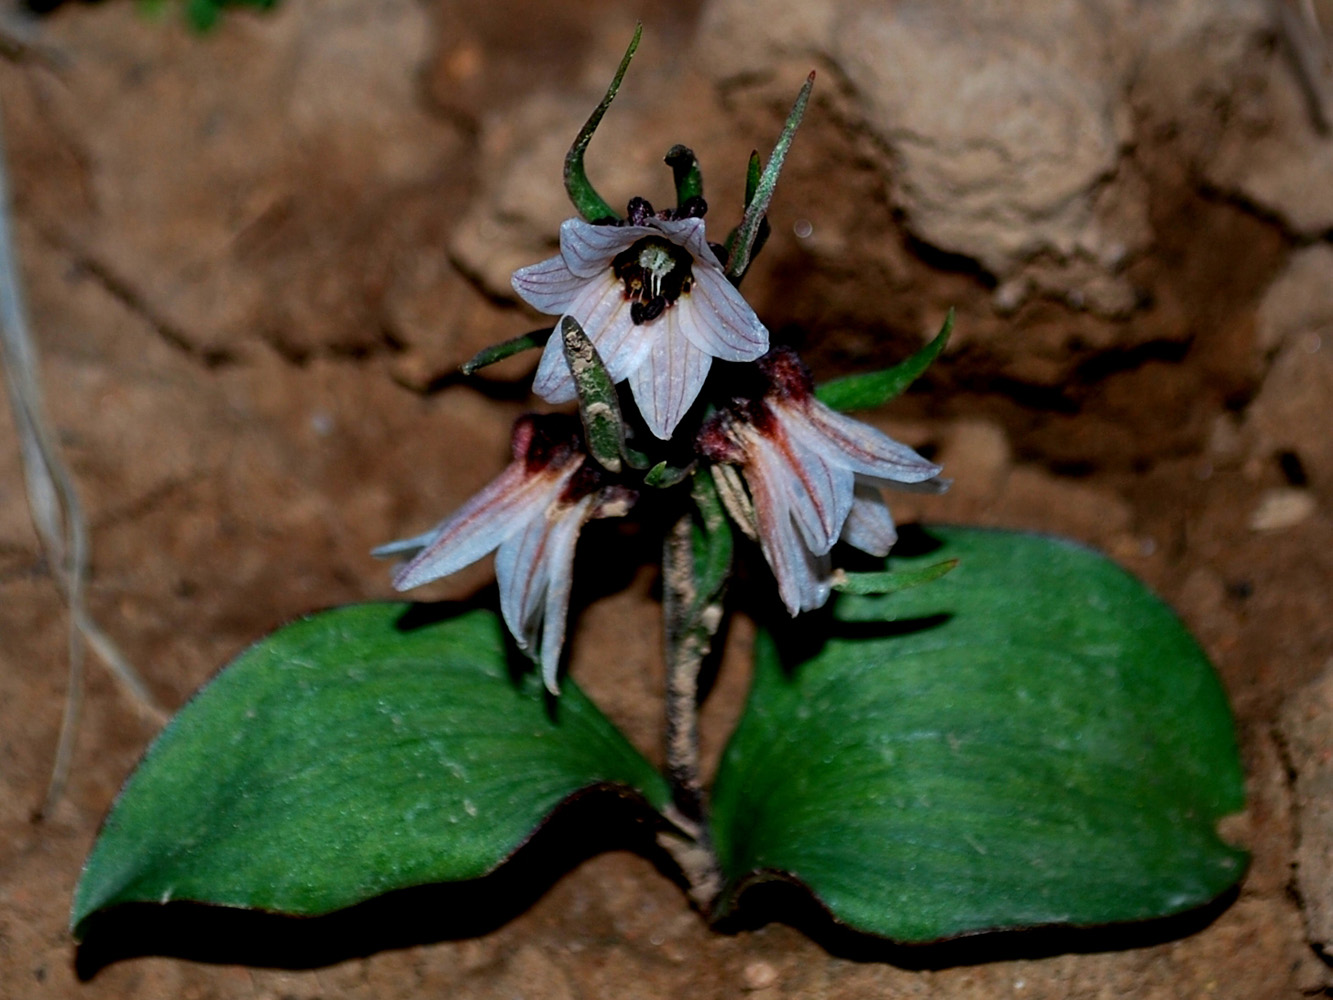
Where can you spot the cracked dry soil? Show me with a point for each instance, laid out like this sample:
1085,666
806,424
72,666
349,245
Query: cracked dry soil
237,256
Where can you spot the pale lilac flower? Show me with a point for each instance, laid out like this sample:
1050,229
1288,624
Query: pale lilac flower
532,514
814,477
655,301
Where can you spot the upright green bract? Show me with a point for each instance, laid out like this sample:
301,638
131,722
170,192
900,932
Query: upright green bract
345,756
1032,739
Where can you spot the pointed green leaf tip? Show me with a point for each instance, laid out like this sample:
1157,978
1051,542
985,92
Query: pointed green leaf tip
346,755
663,475
744,244
890,582
599,406
203,15
507,349
1032,739
867,390
591,205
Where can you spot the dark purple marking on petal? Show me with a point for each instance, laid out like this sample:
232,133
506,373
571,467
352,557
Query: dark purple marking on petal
789,378
715,440
543,441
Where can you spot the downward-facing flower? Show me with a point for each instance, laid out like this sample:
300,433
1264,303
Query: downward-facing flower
814,477
532,514
654,300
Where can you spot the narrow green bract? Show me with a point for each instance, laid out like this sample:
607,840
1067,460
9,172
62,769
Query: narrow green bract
1032,739
599,406
744,242
867,390
346,755
499,352
591,205
890,582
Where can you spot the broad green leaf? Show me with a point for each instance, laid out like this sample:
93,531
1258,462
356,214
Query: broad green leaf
870,389
1032,739
346,755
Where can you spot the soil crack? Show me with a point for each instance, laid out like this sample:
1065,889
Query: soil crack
132,299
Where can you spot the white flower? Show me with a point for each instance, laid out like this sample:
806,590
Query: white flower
532,513
654,299
814,477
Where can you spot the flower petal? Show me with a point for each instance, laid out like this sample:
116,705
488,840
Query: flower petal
860,447
588,250
564,538
604,313
801,575
869,525
549,286
521,574
818,492
406,547
721,322
689,233
483,523
668,379
553,382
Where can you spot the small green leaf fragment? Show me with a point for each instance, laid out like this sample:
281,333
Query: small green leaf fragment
890,581
507,349
871,389
685,172
713,540
347,755
741,253
203,14
1034,739
634,458
664,476
151,9
599,406
753,170
591,205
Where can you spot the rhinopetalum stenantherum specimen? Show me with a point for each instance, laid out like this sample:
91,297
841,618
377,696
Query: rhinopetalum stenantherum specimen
646,302
645,305
1036,740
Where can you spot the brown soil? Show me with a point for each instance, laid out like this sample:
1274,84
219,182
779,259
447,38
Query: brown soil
249,321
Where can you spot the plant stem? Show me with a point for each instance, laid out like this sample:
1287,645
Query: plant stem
690,627
684,657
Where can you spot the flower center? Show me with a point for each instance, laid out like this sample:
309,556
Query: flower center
656,273
657,264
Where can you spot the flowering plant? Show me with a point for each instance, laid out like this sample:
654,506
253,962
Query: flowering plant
990,730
